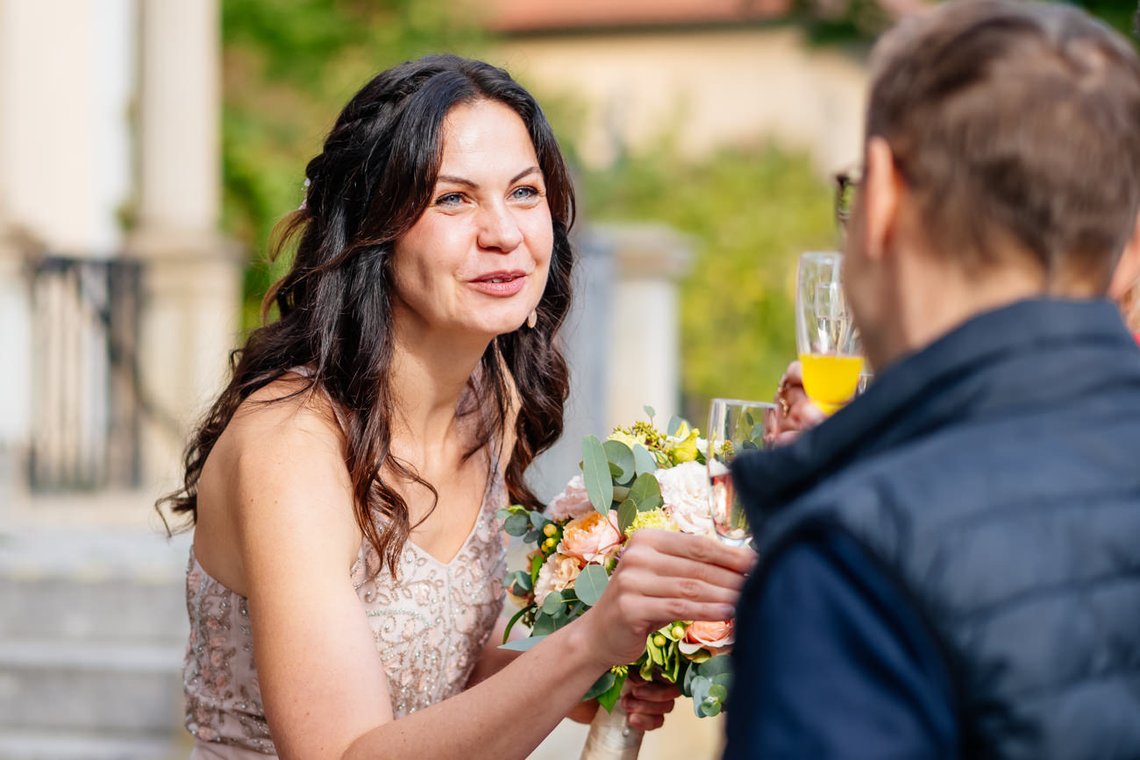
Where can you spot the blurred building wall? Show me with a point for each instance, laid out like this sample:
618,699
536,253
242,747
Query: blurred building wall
701,87
109,151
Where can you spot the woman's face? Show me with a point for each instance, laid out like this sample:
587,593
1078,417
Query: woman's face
476,261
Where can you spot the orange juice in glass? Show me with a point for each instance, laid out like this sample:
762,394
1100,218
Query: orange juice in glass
826,338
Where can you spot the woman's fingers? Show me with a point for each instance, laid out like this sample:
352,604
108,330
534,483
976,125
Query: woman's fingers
646,722
652,691
647,703
679,569
646,706
647,546
677,584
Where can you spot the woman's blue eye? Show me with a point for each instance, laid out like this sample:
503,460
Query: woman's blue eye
450,199
524,193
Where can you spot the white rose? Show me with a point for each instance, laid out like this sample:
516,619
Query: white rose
572,502
685,490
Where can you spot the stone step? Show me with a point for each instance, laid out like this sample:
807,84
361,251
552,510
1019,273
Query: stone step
92,585
57,745
92,609
95,687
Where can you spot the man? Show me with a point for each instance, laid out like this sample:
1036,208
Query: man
950,565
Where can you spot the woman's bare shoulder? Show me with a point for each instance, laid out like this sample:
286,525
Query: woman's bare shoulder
278,468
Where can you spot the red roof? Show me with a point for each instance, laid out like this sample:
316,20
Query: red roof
550,15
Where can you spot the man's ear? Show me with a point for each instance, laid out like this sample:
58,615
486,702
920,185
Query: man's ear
882,190
1127,272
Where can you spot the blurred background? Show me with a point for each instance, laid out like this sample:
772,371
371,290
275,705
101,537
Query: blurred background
148,147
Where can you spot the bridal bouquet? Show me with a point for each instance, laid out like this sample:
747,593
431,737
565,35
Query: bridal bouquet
640,477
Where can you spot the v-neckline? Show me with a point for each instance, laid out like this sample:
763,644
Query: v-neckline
491,487
462,546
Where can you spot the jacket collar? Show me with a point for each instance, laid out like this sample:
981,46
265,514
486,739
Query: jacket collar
1030,354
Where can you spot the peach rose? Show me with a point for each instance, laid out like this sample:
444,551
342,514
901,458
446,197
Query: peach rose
572,502
558,572
710,635
591,538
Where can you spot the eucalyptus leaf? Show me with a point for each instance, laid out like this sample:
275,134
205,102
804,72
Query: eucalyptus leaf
716,666
626,512
644,462
552,603
590,584
610,696
521,645
621,493
700,691
517,524
620,456
520,579
601,686
710,708
538,520
646,491
596,474
650,411
543,624
687,682
674,425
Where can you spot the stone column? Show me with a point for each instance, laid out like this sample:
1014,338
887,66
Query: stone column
192,273
643,364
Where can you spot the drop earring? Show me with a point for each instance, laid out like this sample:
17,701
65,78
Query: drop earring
532,320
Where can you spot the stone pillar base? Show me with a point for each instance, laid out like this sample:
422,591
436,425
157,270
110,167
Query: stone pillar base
192,298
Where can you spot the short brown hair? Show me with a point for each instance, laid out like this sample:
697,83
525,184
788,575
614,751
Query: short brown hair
1014,122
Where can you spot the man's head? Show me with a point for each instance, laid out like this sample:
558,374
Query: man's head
1002,151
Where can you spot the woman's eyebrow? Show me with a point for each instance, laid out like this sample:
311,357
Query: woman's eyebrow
468,183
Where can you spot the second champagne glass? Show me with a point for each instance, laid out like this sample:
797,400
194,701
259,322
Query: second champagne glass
826,338
735,426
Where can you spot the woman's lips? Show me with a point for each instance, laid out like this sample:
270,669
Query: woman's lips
500,284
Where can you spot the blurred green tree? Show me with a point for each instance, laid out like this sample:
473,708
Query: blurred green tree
289,66
860,21
751,211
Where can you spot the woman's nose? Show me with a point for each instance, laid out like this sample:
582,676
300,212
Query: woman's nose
499,230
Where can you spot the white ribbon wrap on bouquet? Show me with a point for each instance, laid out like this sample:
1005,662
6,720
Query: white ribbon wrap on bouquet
611,737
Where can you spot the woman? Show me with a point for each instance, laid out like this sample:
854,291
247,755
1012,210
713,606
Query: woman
344,485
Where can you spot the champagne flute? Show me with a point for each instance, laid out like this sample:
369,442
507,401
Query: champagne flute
826,338
734,426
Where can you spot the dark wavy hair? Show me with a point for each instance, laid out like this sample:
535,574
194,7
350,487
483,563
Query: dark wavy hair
372,181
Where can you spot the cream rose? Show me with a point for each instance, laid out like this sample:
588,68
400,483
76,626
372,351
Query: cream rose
558,572
704,634
572,502
591,538
685,490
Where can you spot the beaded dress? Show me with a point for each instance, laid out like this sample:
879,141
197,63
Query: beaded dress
430,626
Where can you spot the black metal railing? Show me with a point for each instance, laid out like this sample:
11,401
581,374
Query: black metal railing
87,406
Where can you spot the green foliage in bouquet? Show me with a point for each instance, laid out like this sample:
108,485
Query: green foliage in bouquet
578,547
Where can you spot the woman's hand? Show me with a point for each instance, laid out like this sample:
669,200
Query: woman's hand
794,411
647,702
662,577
